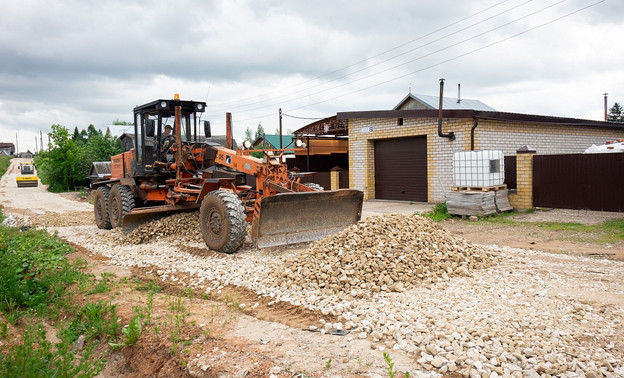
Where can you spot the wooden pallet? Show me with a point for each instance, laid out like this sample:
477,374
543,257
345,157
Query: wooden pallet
479,188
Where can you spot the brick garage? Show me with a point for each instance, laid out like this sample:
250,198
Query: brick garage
473,129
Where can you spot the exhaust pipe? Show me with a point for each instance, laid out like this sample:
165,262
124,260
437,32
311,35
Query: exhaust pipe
228,131
450,135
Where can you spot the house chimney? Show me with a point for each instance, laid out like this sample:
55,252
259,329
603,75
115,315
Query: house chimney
458,93
605,105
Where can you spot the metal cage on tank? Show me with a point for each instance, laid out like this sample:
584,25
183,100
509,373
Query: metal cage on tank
478,168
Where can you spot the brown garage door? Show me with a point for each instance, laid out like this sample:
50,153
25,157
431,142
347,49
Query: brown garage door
401,169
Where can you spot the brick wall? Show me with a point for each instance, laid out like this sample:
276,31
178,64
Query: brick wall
489,135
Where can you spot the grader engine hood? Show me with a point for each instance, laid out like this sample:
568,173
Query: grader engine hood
291,218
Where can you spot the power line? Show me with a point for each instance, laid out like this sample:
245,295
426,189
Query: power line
371,57
291,116
407,62
457,56
443,61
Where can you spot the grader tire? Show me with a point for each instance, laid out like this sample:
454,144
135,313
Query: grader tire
121,202
222,218
100,208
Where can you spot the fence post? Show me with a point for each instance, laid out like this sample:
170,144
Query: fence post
334,178
523,198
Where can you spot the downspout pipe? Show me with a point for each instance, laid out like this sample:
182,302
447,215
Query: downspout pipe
472,140
450,135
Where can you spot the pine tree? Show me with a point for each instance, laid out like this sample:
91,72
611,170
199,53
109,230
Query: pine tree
616,113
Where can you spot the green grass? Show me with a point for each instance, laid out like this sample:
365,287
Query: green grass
37,357
37,284
34,272
608,232
5,161
438,213
605,233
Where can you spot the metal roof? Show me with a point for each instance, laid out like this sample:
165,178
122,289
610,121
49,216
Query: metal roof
119,130
274,140
467,114
432,102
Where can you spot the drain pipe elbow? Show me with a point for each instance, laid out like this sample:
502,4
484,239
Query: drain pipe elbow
476,123
450,135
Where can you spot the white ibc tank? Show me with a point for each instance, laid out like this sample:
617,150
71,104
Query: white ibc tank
478,168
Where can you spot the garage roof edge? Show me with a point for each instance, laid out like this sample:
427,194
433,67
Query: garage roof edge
469,114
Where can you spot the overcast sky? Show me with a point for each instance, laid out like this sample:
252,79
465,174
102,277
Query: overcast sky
76,63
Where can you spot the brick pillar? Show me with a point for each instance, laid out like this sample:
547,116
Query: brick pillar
334,178
523,198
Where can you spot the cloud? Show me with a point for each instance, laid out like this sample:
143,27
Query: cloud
78,62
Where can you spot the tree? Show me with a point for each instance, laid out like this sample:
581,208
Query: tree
92,131
66,164
122,123
616,113
259,131
56,166
248,134
77,137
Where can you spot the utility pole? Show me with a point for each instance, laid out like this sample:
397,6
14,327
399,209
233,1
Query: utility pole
16,144
41,139
605,105
280,123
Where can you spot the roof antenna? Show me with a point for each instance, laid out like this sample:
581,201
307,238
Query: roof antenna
458,92
410,88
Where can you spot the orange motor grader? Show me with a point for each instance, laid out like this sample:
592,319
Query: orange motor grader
161,174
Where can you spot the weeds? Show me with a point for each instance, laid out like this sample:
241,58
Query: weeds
438,213
176,333
234,302
389,365
94,320
4,330
34,272
148,285
132,332
35,355
328,364
5,161
177,304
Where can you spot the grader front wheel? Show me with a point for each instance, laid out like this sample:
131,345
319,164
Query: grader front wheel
222,219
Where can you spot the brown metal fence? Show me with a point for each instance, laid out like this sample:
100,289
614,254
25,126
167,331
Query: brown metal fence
510,172
579,181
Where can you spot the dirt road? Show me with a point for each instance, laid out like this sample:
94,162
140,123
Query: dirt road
29,201
530,313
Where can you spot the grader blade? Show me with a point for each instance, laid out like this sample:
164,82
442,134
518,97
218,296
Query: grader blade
305,216
141,215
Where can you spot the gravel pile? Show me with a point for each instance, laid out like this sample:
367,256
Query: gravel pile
181,227
71,218
382,253
528,314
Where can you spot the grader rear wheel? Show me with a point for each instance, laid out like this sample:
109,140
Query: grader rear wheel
222,219
100,208
121,202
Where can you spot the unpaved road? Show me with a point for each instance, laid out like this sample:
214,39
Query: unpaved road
531,313
29,201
